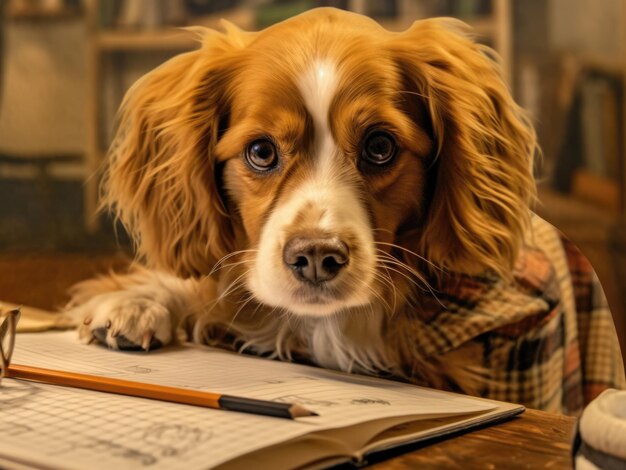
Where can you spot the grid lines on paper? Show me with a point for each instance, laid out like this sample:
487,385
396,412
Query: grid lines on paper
73,428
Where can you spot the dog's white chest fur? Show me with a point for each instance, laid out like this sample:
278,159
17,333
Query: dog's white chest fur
348,343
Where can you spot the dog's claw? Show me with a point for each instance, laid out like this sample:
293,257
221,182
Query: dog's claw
147,340
87,320
115,333
91,340
107,325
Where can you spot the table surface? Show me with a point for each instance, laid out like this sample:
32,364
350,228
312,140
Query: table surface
533,440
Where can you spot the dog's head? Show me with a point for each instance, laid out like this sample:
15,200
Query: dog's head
338,160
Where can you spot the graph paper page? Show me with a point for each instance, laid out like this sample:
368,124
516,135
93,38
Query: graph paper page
75,428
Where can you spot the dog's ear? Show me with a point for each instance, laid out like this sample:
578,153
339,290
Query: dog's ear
482,169
162,181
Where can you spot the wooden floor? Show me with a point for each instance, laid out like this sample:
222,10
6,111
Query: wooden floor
42,280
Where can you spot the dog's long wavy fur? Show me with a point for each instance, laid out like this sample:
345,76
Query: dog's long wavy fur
165,185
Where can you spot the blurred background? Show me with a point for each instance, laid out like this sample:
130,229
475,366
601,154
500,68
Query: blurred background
65,65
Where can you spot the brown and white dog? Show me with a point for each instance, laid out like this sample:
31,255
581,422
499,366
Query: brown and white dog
295,191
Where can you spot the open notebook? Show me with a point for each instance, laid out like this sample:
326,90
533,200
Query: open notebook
46,426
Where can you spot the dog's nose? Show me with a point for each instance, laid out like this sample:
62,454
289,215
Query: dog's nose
315,259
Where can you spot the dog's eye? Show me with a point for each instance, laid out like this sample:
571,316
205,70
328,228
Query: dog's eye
379,148
262,155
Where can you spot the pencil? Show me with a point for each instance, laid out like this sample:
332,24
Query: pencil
158,392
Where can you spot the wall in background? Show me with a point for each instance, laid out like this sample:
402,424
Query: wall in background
43,92
587,27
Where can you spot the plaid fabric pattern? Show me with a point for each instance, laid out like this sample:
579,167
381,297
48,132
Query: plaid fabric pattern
546,340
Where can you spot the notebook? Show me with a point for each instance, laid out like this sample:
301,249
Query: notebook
48,426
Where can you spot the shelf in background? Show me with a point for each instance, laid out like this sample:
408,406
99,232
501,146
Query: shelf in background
176,38
27,13
481,27
167,39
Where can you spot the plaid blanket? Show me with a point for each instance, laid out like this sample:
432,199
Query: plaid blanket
546,340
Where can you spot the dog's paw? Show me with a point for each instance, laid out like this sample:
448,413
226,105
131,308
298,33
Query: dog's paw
123,320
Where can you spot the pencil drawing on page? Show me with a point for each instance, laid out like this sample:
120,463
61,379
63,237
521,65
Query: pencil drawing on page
136,369
369,401
104,446
175,439
14,393
302,400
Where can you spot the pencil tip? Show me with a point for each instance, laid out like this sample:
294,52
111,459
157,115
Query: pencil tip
298,411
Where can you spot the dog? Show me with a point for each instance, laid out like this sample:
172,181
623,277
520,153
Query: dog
311,191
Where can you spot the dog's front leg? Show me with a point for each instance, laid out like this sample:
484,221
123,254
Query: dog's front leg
139,310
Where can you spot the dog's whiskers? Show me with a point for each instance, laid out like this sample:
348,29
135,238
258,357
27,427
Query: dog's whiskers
245,299
230,265
233,286
406,250
250,298
387,280
216,266
387,258
374,293
408,278
422,284
382,230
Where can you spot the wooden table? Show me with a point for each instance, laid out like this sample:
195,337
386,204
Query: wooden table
534,440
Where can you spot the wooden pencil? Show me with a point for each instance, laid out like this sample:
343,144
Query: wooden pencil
158,392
